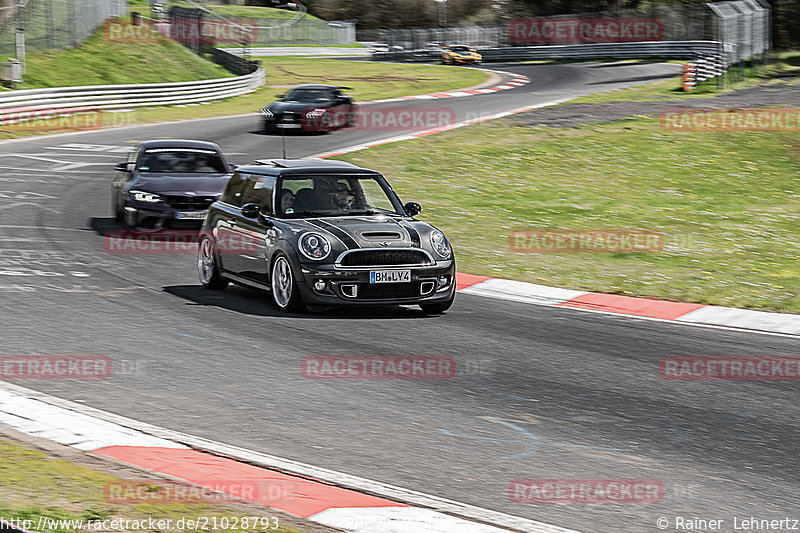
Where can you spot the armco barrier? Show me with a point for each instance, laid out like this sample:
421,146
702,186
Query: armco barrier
637,50
124,96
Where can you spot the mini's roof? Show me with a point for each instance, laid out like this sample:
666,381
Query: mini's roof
299,166
179,143
319,86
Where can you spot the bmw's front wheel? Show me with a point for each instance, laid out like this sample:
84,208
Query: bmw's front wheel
207,266
283,285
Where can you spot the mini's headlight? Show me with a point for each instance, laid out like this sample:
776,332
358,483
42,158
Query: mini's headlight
142,196
440,244
314,246
266,112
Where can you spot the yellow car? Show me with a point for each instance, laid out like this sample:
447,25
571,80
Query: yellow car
460,54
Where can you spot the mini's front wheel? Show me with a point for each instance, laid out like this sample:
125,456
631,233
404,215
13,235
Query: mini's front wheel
207,266
284,287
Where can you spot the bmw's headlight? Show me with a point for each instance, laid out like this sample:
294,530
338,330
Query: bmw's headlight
266,112
440,244
142,196
314,246
315,113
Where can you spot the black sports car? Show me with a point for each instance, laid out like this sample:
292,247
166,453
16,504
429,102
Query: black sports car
310,108
168,184
319,234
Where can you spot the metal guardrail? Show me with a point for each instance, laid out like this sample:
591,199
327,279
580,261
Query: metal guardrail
94,97
638,50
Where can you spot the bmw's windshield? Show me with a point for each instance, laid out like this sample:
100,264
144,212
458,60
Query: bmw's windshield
335,195
309,95
181,160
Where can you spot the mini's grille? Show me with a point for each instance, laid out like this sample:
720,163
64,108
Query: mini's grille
385,258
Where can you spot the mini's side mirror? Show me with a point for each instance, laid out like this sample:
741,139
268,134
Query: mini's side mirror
251,210
282,95
121,167
412,209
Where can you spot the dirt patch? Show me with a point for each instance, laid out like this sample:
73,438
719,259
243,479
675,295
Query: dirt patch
783,94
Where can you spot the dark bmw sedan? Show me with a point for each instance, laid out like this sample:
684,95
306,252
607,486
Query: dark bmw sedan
310,108
168,184
320,234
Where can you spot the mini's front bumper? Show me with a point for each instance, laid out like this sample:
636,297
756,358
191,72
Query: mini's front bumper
326,285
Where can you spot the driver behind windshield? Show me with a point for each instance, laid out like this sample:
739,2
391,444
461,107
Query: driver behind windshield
340,198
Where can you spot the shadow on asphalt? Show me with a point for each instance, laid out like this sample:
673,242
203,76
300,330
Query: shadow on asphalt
258,303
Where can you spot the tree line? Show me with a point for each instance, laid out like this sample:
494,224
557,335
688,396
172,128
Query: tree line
392,14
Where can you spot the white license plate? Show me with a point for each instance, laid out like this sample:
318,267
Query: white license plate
192,215
288,125
390,276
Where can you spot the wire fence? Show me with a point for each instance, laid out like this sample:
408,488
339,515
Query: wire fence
742,26
51,24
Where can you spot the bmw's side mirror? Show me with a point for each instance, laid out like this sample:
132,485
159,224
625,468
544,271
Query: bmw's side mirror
251,210
412,209
121,167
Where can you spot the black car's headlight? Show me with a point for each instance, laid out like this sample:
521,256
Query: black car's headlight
440,244
314,246
142,196
266,112
315,113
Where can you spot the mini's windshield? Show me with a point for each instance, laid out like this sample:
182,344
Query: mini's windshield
334,195
181,160
309,95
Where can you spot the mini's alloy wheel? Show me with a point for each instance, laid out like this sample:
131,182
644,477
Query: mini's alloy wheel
207,266
284,287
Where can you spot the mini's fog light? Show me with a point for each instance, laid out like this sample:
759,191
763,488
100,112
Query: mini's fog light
444,281
319,285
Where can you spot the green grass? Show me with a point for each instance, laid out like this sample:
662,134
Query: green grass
369,80
225,10
34,485
727,204
255,12
101,61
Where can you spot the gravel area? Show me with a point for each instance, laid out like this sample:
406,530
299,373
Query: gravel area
780,94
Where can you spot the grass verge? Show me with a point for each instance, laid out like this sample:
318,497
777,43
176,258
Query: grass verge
368,80
727,204
34,485
102,60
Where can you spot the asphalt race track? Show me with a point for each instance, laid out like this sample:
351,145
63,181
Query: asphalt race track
541,392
